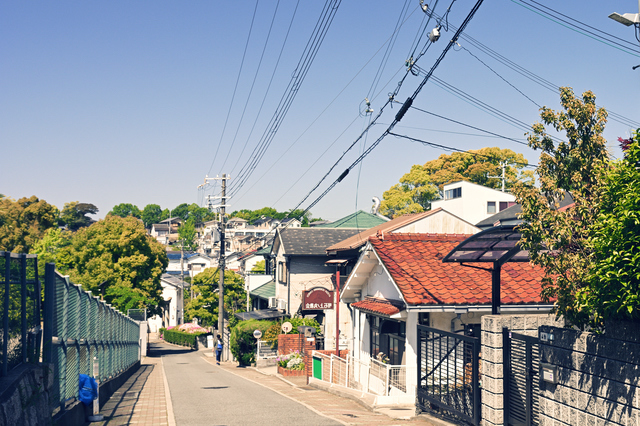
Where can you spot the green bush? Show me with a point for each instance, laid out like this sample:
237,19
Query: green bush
181,338
299,322
242,344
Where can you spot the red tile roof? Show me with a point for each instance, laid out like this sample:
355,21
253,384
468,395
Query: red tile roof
415,264
379,306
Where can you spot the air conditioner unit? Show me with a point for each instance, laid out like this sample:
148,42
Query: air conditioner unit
272,302
282,305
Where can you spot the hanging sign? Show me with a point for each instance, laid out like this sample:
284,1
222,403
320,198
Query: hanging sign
318,298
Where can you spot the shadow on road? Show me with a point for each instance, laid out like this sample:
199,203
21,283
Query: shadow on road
157,350
119,409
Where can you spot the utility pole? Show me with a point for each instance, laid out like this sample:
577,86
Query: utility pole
182,279
221,260
503,177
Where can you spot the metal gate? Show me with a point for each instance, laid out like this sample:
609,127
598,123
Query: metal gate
521,355
449,374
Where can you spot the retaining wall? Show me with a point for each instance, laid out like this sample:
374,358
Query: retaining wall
24,395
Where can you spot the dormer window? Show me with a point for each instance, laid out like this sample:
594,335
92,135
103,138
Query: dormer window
453,193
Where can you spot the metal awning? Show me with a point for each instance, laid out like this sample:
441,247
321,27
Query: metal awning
497,245
260,314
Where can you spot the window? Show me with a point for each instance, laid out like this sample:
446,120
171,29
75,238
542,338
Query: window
506,204
452,193
491,207
282,272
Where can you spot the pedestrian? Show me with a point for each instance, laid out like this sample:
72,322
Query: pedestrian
218,349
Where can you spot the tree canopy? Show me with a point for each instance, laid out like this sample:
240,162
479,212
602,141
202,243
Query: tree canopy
125,209
152,213
205,304
24,222
74,215
423,183
253,215
117,251
187,234
559,239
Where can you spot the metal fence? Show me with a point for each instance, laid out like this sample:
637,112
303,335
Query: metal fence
78,329
265,351
366,375
20,332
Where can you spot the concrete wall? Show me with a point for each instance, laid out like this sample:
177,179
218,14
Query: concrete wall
24,396
598,377
492,364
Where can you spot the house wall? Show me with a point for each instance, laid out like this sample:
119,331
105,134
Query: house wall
440,223
380,285
472,205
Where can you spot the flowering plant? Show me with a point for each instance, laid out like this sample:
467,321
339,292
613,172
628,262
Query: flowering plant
191,328
292,361
382,358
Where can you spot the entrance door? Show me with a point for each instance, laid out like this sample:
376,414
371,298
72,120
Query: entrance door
521,355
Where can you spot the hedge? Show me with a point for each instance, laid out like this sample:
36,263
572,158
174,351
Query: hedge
181,338
243,345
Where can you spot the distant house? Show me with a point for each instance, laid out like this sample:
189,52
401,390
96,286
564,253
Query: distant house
160,231
236,223
357,220
189,263
173,310
473,202
509,216
291,222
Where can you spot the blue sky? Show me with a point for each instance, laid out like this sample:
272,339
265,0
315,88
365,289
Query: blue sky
110,102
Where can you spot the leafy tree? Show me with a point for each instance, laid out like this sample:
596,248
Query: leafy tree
48,248
558,239
205,304
24,222
125,209
200,214
260,266
423,183
152,213
614,283
253,215
119,251
182,211
187,233
74,215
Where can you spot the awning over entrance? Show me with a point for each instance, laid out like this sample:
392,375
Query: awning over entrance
260,314
497,245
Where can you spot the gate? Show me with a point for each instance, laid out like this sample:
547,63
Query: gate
449,374
521,355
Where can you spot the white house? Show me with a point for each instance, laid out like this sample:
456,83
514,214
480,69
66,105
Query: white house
191,263
400,282
172,293
473,202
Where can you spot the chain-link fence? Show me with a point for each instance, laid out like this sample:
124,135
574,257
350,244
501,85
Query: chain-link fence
137,314
79,328
20,331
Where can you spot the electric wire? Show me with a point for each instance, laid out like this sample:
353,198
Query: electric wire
399,115
244,54
571,24
264,98
298,77
253,83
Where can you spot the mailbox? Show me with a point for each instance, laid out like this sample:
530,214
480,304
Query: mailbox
307,331
549,373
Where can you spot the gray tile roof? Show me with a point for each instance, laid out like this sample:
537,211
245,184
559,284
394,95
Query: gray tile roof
312,241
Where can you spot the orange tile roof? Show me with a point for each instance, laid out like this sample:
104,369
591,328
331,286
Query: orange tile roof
379,306
360,239
415,264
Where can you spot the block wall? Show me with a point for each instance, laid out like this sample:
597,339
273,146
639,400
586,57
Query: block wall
491,354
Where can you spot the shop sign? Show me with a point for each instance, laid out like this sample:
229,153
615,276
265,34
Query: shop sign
318,298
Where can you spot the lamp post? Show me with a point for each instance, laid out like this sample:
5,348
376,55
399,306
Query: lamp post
628,19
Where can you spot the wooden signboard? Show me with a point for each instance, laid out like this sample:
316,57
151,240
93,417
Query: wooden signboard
317,299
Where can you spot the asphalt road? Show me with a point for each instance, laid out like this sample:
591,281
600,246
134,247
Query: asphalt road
205,394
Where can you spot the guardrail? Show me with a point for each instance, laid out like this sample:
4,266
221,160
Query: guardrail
78,329
20,332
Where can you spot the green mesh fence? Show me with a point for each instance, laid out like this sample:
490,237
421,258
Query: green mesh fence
83,330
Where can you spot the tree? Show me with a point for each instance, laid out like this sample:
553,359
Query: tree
205,305
423,184
200,214
152,213
614,282
187,233
24,222
74,215
48,248
125,209
558,239
181,211
260,266
117,251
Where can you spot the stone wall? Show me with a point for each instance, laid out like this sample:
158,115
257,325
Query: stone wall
598,377
24,396
491,354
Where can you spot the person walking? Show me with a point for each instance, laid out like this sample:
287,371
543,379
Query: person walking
218,349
